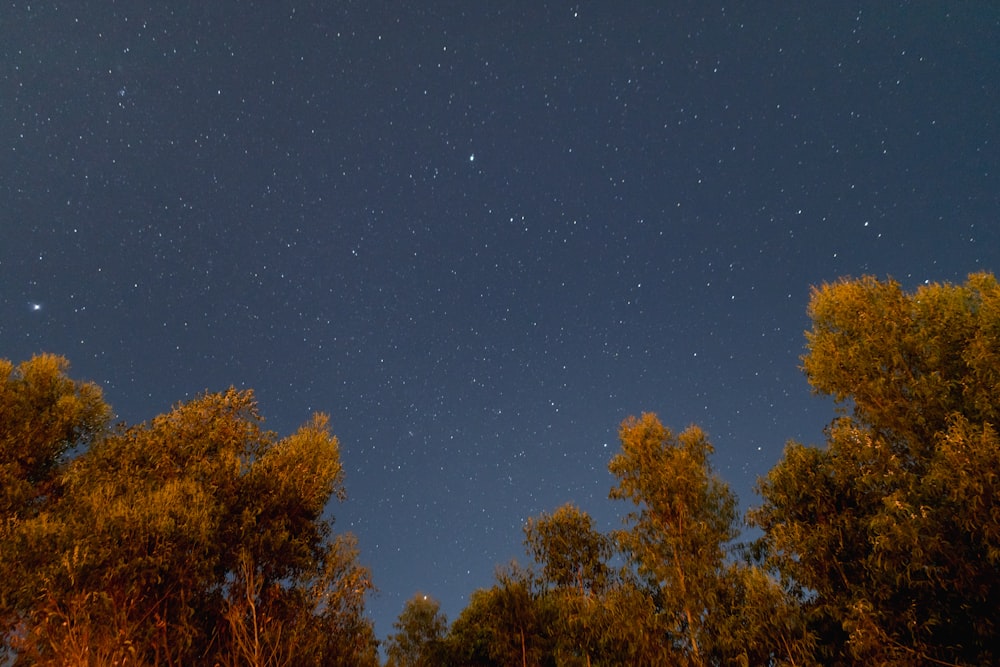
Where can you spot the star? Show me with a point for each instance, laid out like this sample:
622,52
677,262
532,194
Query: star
492,326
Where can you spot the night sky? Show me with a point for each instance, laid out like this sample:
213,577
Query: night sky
480,234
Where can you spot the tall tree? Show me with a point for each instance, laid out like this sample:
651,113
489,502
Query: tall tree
44,417
520,618
472,637
506,624
893,528
575,573
684,520
420,632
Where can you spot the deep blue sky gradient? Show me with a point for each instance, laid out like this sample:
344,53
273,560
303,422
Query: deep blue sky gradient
479,235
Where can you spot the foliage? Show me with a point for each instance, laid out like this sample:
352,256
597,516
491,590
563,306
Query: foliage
502,625
572,553
202,538
474,637
892,531
574,575
683,600
756,622
686,516
44,415
195,537
418,641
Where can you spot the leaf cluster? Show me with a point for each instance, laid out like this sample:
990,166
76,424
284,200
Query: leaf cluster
196,537
890,531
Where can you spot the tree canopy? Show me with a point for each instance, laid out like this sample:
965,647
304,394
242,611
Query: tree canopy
200,537
684,519
891,532
419,633
195,535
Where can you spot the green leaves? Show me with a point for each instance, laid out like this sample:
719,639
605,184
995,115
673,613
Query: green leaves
420,634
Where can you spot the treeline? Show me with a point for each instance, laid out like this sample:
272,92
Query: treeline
200,538
668,589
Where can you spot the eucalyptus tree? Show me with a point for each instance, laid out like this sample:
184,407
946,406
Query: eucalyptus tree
44,417
891,530
198,536
682,524
574,577
420,632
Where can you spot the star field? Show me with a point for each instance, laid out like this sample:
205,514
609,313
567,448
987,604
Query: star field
480,236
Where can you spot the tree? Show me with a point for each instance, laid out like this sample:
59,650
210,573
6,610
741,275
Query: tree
420,634
573,556
519,617
892,530
318,621
196,537
44,416
632,634
686,516
506,624
755,621
471,640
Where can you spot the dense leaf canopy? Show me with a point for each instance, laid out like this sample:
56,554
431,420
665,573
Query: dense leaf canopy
891,530
195,535
202,538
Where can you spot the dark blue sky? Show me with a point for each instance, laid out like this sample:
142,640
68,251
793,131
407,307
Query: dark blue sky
479,235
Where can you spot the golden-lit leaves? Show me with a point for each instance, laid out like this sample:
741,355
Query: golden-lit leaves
907,361
685,519
894,526
154,523
682,504
420,630
43,416
571,552
305,467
